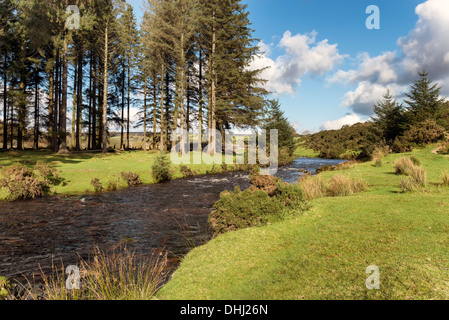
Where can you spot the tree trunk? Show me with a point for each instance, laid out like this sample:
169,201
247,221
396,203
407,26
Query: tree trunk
56,105
89,132
162,142
5,107
128,102
36,111
213,124
74,102
79,105
105,92
94,107
63,112
200,104
145,112
51,80
154,110
122,132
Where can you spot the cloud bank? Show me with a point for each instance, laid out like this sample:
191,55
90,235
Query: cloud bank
426,46
303,55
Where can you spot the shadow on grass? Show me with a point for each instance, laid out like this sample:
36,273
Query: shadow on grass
31,157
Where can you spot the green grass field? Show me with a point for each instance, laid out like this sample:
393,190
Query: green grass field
324,253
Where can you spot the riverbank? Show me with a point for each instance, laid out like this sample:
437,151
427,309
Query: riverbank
78,169
325,253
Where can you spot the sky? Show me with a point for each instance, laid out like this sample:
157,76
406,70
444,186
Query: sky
328,69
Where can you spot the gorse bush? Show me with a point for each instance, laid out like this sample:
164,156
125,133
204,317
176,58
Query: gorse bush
187,172
49,173
131,179
161,169
243,209
113,185
425,132
98,187
22,182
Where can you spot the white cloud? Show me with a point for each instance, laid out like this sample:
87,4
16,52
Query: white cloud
303,55
349,119
378,69
426,46
367,94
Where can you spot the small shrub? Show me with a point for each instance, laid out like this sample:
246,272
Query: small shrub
187,172
404,166
113,185
98,187
268,184
336,186
214,170
419,175
416,180
401,146
243,209
445,178
291,196
21,183
131,179
342,186
49,173
424,133
379,154
444,149
313,187
379,163
408,185
161,169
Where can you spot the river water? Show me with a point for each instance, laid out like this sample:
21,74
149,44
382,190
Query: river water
37,233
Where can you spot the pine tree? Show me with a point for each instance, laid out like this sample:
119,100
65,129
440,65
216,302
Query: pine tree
423,100
389,118
277,121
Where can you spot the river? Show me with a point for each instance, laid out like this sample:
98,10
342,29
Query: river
36,233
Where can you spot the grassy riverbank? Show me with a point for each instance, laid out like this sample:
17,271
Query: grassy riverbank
78,169
324,254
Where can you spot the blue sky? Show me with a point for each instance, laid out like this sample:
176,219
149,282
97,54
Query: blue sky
328,69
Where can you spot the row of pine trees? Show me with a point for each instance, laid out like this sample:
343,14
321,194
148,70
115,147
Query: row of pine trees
184,66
